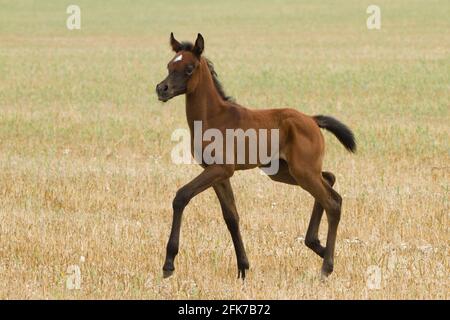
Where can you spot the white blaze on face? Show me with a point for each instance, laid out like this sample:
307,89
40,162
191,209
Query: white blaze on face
178,58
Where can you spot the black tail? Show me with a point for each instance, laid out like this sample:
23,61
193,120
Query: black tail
340,130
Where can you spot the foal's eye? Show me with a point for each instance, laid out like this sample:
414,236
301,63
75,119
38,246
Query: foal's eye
189,69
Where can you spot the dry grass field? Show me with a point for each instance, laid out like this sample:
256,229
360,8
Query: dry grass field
86,178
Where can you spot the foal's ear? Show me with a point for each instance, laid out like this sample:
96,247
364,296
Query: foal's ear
199,45
176,46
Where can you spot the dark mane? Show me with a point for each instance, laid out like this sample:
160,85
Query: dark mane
188,46
216,81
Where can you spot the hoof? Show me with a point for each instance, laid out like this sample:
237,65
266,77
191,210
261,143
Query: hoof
242,270
327,269
167,273
241,274
323,276
242,266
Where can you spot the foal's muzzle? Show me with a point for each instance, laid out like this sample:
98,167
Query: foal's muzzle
162,90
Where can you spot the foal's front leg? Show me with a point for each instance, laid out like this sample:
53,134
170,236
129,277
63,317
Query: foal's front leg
225,194
206,179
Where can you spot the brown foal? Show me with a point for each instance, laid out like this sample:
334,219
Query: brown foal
300,152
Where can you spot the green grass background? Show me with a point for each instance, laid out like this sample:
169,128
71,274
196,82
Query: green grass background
318,57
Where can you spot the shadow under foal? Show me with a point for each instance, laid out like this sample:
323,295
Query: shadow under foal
301,151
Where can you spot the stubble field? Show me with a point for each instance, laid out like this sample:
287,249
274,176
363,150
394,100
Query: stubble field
87,182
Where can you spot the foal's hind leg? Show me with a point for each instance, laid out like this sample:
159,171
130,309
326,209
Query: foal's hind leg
333,210
225,194
330,200
312,235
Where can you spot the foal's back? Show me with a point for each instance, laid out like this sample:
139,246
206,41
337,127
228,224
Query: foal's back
296,129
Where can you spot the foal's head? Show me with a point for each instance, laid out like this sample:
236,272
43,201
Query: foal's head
183,77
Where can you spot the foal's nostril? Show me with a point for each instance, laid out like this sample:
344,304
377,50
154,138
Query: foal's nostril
162,88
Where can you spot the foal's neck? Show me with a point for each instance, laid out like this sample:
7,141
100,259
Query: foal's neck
204,102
